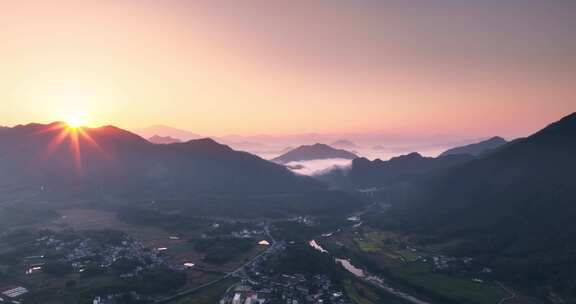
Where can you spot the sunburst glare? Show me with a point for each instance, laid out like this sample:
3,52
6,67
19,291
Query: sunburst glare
75,122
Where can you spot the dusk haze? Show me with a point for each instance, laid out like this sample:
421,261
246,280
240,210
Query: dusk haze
407,67
288,152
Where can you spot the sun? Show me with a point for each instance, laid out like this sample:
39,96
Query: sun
74,133
75,122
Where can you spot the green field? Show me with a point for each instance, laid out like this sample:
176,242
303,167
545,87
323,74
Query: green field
463,290
353,293
386,249
408,255
373,241
360,293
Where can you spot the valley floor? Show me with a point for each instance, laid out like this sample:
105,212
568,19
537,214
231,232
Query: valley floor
423,271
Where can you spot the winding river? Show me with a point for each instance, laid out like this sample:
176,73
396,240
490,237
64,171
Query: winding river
369,278
344,262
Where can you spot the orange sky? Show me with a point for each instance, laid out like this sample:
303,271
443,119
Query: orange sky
279,67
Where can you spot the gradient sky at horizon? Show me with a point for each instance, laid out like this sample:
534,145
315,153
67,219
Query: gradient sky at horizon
469,68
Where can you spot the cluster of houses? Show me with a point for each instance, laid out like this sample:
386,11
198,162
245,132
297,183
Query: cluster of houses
12,294
443,263
246,234
79,252
286,289
242,294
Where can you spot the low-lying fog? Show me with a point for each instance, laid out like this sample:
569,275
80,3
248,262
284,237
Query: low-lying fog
370,146
312,167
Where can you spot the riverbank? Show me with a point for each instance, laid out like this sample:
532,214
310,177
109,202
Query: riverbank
370,278
389,262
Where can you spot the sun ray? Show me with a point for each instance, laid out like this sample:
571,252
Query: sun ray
74,137
55,142
76,150
86,135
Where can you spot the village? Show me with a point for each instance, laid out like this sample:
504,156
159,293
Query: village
110,266
257,286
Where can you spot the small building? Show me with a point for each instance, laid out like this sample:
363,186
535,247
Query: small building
16,292
237,298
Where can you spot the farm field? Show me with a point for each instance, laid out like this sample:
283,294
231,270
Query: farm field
404,264
92,219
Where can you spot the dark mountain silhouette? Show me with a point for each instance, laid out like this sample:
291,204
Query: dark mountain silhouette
378,173
163,140
534,172
312,152
343,144
116,161
515,208
477,148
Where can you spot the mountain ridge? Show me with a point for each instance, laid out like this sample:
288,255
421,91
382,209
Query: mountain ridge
112,158
313,152
164,130
478,148
513,209
163,140
377,173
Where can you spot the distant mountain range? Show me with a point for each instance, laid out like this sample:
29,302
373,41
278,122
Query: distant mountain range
533,172
477,148
344,144
163,140
116,161
166,131
513,209
378,173
313,152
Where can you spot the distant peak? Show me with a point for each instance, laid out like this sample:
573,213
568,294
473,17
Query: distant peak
493,140
411,155
113,129
312,152
477,148
319,145
205,140
206,144
157,139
